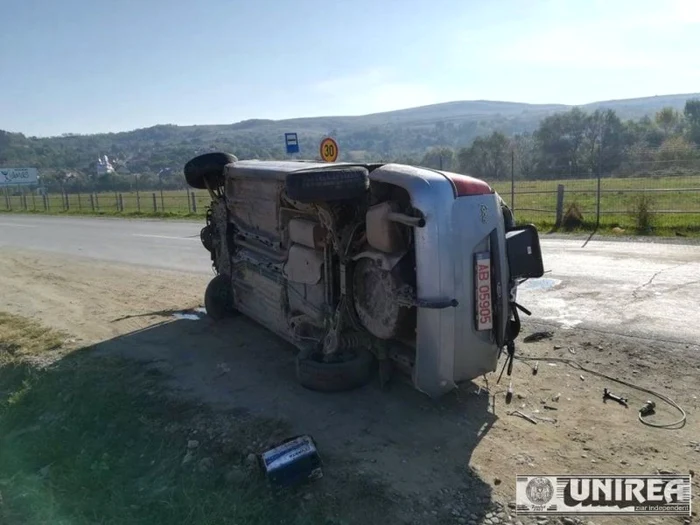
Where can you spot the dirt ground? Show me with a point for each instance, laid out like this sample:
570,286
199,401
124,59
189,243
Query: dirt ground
443,459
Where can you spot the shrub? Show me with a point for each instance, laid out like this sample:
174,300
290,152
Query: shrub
573,218
642,213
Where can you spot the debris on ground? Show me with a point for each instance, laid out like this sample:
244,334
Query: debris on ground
538,336
524,416
294,461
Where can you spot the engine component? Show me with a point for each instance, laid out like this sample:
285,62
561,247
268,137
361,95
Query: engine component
384,234
384,261
307,233
303,265
375,294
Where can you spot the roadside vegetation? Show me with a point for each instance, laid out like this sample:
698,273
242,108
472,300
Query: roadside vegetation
535,202
93,439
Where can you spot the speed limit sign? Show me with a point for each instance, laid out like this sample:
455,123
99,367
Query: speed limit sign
329,150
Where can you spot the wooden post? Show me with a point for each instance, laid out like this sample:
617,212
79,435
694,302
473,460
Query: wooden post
194,203
97,201
155,204
121,203
560,205
92,202
80,204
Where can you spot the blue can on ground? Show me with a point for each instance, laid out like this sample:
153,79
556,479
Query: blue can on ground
294,461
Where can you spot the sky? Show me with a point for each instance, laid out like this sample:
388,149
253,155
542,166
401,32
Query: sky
89,66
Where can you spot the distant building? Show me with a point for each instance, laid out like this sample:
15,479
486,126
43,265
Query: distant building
104,166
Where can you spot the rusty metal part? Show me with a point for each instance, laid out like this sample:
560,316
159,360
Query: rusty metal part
524,416
609,395
375,300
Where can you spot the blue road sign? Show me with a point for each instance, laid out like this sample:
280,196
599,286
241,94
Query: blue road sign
290,139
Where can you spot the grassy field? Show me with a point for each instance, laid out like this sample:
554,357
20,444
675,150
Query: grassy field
673,203
87,439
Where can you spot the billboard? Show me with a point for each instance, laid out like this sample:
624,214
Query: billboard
18,176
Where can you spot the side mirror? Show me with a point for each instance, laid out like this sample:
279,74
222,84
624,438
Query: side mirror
524,252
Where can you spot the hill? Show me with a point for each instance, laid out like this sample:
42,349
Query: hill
403,134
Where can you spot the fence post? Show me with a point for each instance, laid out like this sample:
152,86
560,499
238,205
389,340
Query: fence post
24,200
80,204
512,180
597,204
121,203
67,206
155,205
46,201
33,201
194,203
138,195
8,206
97,202
92,202
116,201
189,204
560,205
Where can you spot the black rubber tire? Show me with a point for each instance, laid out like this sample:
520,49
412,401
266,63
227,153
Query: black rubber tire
207,167
332,184
206,236
336,377
218,298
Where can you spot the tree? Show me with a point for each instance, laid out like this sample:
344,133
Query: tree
487,157
668,120
605,141
692,116
438,158
559,140
525,155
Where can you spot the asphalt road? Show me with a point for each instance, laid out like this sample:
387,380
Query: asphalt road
632,288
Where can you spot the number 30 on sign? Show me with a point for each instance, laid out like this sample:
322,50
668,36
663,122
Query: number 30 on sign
329,150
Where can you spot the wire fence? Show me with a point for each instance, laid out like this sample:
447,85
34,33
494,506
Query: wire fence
672,201
171,202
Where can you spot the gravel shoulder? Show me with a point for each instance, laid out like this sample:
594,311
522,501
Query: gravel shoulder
452,461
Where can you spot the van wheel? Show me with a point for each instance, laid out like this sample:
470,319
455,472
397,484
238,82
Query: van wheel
355,371
332,184
218,298
207,237
208,167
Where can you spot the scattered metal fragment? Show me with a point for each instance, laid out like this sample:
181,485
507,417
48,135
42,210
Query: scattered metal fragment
609,395
524,416
538,336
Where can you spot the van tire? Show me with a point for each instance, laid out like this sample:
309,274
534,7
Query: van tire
332,184
314,374
218,298
207,168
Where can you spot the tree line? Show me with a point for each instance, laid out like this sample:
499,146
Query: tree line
576,144
570,144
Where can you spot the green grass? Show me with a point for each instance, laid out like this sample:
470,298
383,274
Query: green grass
87,439
535,202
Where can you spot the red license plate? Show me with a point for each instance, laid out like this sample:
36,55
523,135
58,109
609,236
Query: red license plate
484,306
